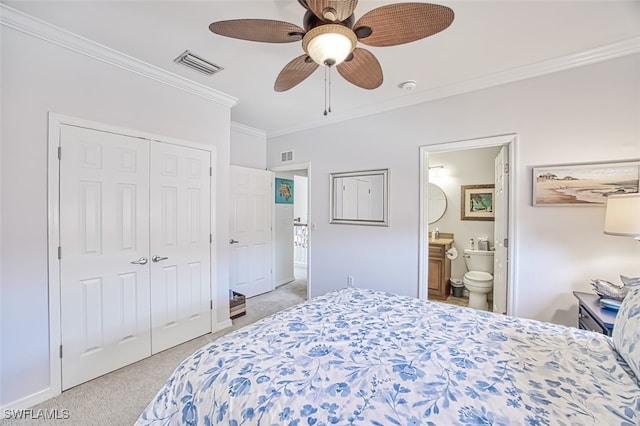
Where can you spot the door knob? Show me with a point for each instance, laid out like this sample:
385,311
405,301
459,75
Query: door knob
232,241
141,261
157,258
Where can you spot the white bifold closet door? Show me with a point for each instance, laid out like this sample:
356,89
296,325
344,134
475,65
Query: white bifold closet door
135,250
180,245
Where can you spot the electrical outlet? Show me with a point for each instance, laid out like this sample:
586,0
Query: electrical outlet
349,280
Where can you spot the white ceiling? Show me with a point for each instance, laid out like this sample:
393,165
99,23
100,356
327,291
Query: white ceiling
487,38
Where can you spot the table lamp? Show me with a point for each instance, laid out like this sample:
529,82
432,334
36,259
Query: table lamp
622,215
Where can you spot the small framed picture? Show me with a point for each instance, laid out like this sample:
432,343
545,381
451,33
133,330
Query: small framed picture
476,202
284,191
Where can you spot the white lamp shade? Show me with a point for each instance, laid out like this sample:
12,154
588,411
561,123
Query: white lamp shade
329,44
622,216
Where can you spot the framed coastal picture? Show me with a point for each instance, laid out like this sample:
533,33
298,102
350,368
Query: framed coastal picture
583,184
476,202
284,191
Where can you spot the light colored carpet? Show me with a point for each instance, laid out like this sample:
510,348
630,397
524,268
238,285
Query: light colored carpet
119,397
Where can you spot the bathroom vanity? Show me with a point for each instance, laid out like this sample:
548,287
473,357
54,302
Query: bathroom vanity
439,267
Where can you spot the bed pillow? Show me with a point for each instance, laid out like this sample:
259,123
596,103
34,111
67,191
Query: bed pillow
626,331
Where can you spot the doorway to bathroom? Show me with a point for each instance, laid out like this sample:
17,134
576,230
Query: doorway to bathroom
460,168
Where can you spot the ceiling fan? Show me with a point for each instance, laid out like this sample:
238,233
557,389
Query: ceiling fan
329,37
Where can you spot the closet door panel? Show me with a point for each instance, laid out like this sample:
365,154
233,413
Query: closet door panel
104,216
180,244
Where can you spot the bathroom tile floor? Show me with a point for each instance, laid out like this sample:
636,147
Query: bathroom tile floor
460,301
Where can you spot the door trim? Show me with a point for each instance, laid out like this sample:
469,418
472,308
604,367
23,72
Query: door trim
56,121
498,140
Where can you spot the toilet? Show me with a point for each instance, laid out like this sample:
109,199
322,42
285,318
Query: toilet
479,279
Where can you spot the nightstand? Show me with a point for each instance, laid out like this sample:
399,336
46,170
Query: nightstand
592,316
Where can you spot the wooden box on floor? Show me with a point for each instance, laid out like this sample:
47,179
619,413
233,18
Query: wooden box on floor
237,304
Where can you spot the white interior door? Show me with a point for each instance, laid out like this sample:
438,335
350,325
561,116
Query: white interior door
501,232
250,230
180,244
104,214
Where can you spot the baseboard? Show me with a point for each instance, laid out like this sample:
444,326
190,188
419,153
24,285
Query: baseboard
221,326
285,281
28,401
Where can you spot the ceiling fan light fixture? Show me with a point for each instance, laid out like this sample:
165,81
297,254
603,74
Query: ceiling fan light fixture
329,44
330,33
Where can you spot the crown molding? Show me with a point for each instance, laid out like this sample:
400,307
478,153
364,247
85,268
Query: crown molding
12,18
248,130
27,24
591,56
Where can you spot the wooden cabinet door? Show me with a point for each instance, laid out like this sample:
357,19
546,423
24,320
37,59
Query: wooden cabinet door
439,272
435,272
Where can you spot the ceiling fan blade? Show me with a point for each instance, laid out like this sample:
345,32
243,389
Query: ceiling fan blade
264,30
293,73
363,70
332,10
400,23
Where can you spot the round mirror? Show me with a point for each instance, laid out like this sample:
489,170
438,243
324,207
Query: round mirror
437,202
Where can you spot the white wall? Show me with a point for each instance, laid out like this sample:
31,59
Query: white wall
283,237
38,77
248,147
586,114
465,167
300,213
300,196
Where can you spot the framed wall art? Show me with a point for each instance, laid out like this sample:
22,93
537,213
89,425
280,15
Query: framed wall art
476,202
583,184
284,191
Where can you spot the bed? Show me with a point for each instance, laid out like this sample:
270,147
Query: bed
363,357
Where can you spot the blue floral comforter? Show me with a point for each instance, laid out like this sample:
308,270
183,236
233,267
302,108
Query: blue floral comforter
363,357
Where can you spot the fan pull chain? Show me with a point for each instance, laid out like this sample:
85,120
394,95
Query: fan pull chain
327,89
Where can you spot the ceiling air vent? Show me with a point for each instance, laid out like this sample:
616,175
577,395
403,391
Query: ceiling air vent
197,63
286,156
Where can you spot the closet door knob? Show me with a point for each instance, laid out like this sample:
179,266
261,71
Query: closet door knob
141,261
232,241
157,258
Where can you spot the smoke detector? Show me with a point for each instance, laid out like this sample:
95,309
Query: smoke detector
408,85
